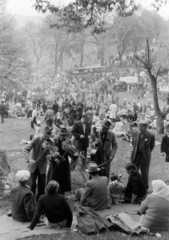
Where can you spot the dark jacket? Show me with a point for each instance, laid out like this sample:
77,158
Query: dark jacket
2,108
135,186
148,146
23,205
55,107
55,208
77,130
165,146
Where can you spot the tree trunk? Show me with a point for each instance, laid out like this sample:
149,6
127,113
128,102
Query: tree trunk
102,57
82,56
61,62
121,60
160,125
159,114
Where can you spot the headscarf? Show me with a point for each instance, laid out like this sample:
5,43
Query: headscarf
160,189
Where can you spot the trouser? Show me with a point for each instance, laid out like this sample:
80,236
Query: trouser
41,182
34,121
2,117
144,168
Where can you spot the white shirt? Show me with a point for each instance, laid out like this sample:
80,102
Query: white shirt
113,111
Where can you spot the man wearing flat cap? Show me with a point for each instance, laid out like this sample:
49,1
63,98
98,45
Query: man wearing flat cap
107,145
143,143
23,205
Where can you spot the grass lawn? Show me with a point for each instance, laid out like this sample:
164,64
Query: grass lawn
14,130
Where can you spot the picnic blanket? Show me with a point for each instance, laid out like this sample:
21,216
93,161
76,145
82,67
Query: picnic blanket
12,230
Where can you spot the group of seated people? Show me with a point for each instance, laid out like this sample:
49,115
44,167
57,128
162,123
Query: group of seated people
98,194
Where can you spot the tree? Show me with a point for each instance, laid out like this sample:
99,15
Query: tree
154,68
80,14
59,41
36,39
14,64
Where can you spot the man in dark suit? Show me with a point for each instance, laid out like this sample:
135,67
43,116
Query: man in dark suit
143,143
107,145
81,131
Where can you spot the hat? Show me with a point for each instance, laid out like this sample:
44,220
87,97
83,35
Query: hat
23,175
63,131
133,124
107,123
92,167
143,122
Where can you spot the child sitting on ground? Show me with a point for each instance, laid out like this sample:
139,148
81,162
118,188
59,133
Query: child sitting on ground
115,188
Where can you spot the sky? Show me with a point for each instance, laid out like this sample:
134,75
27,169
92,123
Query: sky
24,7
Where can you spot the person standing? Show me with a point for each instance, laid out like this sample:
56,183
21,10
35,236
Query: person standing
113,111
165,145
59,168
34,117
107,145
81,131
55,107
2,111
38,162
143,143
49,116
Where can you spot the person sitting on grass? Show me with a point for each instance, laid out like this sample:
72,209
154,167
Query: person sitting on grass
23,204
96,193
115,188
135,191
55,208
154,209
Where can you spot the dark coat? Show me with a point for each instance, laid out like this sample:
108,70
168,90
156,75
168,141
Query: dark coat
2,108
135,186
55,208
148,146
106,151
61,172
81,144
23,205
55,107
165,146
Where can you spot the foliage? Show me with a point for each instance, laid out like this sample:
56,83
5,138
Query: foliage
81,14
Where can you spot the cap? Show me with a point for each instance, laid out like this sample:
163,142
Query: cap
23,175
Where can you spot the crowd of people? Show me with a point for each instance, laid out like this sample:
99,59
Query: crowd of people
83,124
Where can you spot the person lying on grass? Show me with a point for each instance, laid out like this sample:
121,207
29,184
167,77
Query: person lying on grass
55,207
155,208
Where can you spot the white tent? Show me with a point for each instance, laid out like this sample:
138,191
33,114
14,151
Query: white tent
129,80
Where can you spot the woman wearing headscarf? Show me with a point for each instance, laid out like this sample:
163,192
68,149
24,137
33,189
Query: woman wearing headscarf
155,208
